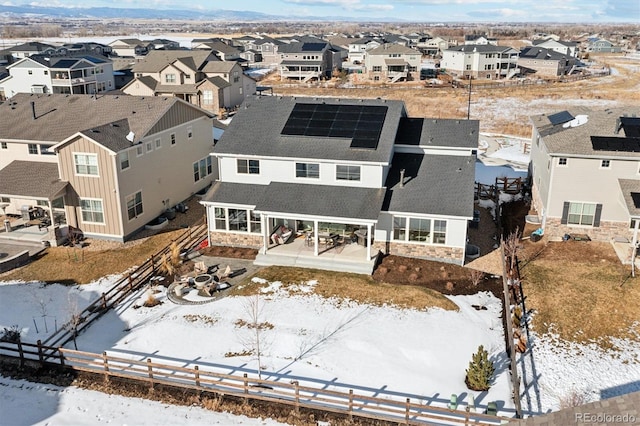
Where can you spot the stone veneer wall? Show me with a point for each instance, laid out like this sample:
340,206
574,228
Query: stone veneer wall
607,231
536,200
235,240
421,251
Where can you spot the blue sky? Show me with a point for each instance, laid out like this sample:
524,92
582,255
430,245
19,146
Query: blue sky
411,10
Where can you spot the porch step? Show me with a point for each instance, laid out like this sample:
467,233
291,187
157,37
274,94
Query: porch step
362,267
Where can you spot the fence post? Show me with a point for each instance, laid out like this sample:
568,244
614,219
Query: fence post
105,363
297,390
130,282
150,368
21,353
104,301
246,385
406,411
350,405
61,357
153,263
197,374
40,354
466,415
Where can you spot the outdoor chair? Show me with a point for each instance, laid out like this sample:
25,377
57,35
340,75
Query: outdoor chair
200,268
453,402
492,409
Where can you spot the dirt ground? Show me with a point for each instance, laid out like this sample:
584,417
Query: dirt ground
231,252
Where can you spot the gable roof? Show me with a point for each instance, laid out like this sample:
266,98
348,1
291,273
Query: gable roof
304,47
433,184
219,66
551,41
128,41
481,48
32,46
112,136
540,53
246,137
69,61
60,116
31,179
438,132
217,81
157,60
393,48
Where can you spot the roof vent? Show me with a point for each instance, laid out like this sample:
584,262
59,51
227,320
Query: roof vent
130,136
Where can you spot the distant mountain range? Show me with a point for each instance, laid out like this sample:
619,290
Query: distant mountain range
175,14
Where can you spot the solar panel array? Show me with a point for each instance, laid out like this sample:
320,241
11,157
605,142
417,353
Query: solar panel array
312,47
610,143
635,196
560,117
360,123
631,126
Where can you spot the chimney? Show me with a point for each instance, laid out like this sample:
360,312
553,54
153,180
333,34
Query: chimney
33,109
401,178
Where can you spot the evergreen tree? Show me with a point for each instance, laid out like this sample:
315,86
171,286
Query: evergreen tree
480,371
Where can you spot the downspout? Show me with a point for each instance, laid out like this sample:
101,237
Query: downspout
546,205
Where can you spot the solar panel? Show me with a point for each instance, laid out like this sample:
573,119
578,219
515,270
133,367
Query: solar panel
635,196
313,47
608,143
360,123
631,126
560,117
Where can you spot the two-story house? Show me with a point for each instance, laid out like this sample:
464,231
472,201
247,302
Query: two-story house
222,50
24,50
348,177
86,74
569,48
197,76
308,60
106,164
481,61
480,40
129,47
392,62
434,46
545,62
600,45
358,46
586,172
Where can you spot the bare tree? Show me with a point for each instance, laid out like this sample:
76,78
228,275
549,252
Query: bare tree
476,276
254,307
75,318
511,247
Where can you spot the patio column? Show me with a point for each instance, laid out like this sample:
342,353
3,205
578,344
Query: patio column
264,219
53,222
634,241
315,238
368,241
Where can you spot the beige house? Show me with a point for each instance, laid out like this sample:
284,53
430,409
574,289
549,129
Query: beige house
392,62
128,47
107,165
197,77
544,62
586,173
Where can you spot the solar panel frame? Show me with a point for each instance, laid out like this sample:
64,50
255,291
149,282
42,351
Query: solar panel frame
560,118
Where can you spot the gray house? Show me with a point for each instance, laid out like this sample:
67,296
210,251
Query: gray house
331,183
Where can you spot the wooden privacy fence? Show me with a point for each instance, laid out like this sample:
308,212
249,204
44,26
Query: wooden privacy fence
401,409
121,289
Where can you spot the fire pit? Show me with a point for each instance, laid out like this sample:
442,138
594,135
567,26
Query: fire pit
202,280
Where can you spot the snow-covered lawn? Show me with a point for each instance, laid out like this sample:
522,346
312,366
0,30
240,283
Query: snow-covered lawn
330,343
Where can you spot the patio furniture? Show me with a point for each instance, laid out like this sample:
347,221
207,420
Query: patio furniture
200,268
362,236
281,234
492,409
453,402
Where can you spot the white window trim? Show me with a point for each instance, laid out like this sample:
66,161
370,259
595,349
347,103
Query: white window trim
158,143
580,225
126,200
120,161
92,199
238,172
335,176
173,141
148,146
226,221
75,171
139,151
609,167
407,225
566,160
295,171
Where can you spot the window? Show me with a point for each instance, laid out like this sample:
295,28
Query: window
123,158
439,231
134,205
562,161
348,173
172,137
33,149
581,214
236,77
377,68
86,164
3,145
255,223
91,211
605,164
189,132
30,72
419,230
170,78
399,228
46,72
42,203
5,200
251,167
220,218
139,151
207,97
46,150
202,169
158,143
237,220
58,203
149,146
308,170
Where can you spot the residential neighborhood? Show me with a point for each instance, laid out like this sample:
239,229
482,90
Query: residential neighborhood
295,221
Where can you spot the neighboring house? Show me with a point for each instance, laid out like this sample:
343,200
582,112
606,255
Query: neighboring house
433,46
130,47
480,39
252,57
24,50
267,47
545,63
354,177
161,44
308,60
569,48
107,165
197,76
392,62
87,74
221,49
76,49
586,172
357,48
602,46
480,61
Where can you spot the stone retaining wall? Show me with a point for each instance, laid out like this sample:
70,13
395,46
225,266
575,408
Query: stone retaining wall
607,231
421,251
231,239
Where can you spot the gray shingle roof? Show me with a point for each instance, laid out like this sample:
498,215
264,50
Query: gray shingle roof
219,66
577,140
31,179
630,189
156,60
433,184
481,48
304,47
60,116
255,130
438,132
541,53
302,199
111,135
393,48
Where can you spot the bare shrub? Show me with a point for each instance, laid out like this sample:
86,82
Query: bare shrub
476,276
151,300
413,277
402,268
573,399
449,286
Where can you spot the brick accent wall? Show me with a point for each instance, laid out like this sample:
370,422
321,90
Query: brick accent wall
420,251
607,231
235,240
